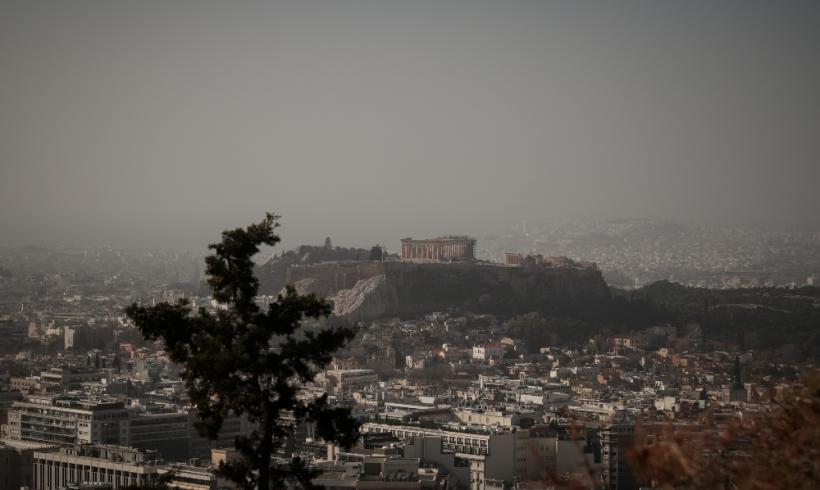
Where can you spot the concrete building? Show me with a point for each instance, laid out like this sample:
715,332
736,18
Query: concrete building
67,421
496,418
429,451
29,384
545,453
167,433
442,249
97,464
345,380
490,454
187,477
616,439
488,351
59,379
380,472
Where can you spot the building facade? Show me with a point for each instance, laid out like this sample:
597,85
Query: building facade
616,439
68,421
114,465
488,454
345,380
167,433
442,249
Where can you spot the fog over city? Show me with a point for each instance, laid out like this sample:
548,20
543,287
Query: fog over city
419,244
160,124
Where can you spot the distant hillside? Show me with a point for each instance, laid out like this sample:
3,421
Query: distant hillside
781,319
408,290
272,274
577,303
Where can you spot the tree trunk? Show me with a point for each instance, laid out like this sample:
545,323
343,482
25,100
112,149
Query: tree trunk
265,449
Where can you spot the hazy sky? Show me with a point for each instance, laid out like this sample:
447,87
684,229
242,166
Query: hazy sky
161,123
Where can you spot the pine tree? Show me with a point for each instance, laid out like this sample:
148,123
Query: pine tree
244,360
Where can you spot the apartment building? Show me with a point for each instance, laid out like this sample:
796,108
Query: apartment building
66,421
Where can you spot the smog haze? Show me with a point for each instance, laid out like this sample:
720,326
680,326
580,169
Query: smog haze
159,124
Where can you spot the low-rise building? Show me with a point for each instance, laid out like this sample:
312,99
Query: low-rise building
67,421
98,464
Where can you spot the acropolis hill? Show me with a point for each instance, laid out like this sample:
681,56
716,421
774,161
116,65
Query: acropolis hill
373,289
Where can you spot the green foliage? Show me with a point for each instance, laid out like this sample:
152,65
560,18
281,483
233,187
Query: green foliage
246,360
774,319
376,253
532,328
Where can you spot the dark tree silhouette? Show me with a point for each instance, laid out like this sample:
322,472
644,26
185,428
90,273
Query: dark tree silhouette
376,252
249,361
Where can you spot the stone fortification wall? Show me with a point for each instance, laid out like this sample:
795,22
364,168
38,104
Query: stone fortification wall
418,288
331,277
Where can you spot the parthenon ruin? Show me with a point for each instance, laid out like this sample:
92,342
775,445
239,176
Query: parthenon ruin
442,249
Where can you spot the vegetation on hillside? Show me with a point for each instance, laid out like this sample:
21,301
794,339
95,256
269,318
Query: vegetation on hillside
272,274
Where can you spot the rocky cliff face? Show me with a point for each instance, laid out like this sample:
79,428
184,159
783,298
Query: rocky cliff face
492,288
379,289
369,298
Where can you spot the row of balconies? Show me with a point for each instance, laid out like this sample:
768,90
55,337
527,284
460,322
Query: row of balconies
46,437
47,429
465,449
48,421
467,442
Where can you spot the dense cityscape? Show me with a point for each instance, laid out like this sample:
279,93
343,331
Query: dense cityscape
457,398
409,245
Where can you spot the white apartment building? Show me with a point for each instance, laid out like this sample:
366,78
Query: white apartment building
67,421
489,454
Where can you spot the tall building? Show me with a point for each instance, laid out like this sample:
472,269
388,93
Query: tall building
616,439
442,249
